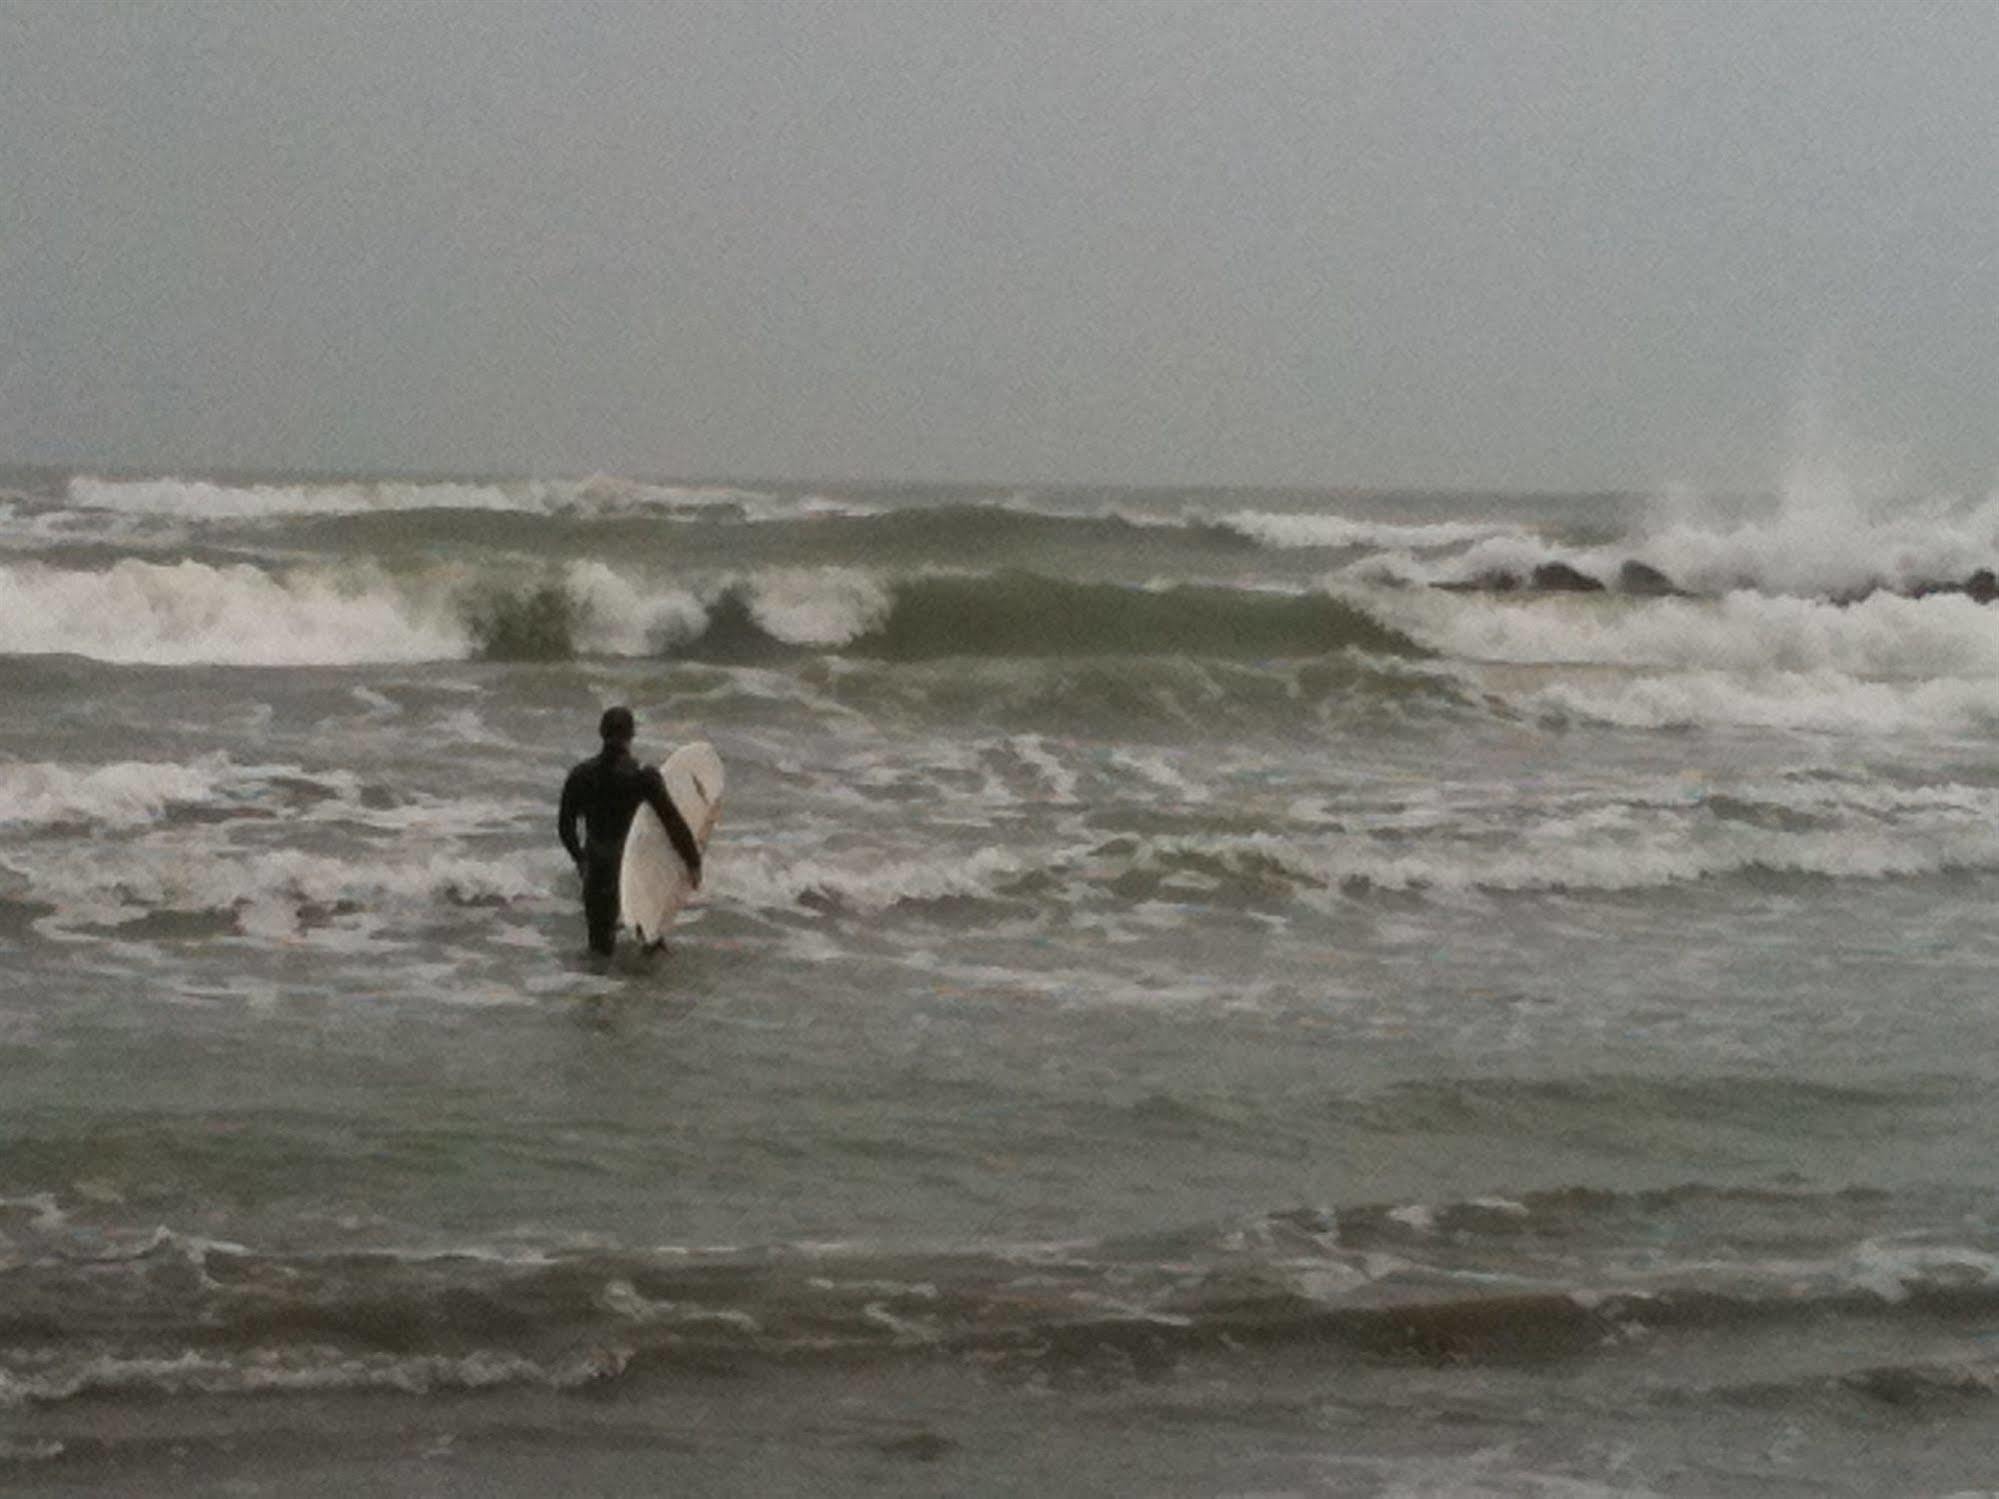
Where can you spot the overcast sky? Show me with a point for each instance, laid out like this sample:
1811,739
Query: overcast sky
1564,244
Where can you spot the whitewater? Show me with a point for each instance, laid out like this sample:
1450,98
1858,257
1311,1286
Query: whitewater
1197,992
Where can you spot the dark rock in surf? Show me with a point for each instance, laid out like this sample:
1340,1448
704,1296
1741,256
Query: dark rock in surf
1645,581
1492,580
1559,577
1982,587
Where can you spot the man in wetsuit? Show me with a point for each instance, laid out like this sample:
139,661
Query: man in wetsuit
604,792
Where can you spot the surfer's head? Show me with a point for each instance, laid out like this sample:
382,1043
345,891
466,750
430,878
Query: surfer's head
616,727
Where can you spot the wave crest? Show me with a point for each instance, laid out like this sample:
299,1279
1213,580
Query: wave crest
192,612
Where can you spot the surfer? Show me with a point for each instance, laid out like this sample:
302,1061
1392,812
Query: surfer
604,793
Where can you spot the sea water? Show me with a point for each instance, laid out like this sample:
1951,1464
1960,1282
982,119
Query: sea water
1199,993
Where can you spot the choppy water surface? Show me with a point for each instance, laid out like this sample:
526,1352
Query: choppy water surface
1197,993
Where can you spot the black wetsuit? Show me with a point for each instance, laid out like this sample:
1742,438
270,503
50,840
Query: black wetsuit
604,792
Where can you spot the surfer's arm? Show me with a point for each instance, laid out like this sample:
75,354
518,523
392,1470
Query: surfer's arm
566,818
677,831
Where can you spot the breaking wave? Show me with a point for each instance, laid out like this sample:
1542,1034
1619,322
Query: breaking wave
240,614
1023,615
1303,531
192,612
206,500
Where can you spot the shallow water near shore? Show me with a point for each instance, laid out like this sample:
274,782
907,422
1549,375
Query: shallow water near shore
1181,1005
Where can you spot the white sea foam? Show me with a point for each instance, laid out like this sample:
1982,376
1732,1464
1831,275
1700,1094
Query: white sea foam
1157,769
1814,702
1895,1270
270,893
623,618
1418,1218
1884,636
862,881
1062,782
47,1215
1822,538
819,606
129,793
1885,665
30,1451
1817,540
813,507
1611,847
299,1369
1670,834
1827,534
132,794
622,1299
1667,832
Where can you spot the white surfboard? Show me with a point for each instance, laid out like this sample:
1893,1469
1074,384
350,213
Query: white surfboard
653,883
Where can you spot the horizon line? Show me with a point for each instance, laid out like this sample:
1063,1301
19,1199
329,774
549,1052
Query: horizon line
242,473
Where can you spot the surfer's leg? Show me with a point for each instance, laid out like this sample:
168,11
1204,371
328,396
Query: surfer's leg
600,909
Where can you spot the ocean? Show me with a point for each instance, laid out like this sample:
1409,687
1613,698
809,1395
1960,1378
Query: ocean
1207,992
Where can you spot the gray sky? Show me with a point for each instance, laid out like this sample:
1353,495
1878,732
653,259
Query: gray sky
1543,245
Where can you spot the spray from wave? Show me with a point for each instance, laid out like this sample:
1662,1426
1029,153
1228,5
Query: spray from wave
1819,538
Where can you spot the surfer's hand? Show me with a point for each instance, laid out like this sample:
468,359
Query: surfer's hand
696,872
